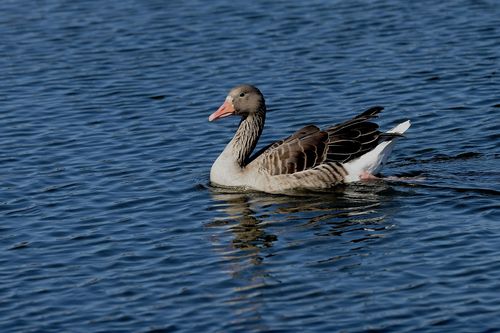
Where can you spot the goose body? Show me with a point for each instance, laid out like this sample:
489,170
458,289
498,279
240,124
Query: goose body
309,159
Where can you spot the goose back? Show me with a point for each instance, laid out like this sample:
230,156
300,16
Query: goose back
310,147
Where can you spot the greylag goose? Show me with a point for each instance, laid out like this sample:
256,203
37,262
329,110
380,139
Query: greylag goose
309,159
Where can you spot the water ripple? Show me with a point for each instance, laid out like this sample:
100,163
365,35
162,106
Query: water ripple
105,152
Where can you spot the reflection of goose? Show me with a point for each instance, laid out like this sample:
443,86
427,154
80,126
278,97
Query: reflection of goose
308,159
248,233
251,215
269,244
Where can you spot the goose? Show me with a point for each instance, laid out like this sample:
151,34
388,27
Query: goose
309,159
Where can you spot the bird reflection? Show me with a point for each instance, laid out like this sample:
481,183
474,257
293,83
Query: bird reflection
248,232
267,241
343,210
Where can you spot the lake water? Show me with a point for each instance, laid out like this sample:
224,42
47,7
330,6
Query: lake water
108,221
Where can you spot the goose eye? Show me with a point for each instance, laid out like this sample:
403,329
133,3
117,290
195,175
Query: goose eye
242,95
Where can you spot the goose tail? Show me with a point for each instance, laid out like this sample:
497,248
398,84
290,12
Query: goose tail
373,161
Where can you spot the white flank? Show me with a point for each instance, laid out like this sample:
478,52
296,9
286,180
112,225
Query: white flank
372,161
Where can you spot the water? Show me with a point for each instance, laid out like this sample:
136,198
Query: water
108,223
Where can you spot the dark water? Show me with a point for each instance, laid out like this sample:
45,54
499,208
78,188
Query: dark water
107,220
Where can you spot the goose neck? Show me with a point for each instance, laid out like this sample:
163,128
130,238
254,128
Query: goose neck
247,136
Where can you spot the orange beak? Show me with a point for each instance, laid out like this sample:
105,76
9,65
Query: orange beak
225,110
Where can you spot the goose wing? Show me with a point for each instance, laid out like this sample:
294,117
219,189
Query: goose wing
310,146
303,150
355,137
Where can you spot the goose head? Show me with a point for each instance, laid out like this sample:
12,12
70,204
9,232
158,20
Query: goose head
245,100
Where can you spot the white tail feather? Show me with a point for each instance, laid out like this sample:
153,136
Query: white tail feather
372,161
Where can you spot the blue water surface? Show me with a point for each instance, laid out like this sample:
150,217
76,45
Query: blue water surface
107,219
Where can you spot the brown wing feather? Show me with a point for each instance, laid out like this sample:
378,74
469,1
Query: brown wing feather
303,150
310,147
304,131
354,137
